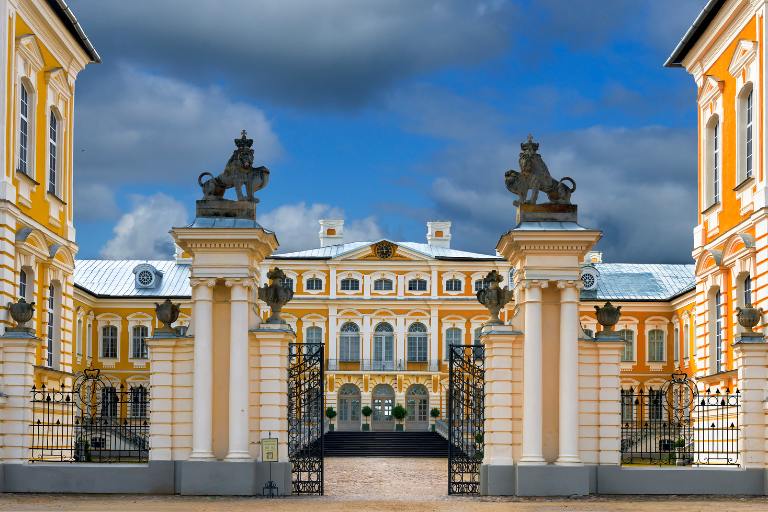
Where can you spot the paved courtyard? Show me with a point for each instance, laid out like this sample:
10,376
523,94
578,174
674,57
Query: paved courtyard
378,484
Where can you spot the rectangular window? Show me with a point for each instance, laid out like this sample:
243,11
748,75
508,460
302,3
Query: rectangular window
453,285
52,148
417,285
79,338
452,337
350,284
109,402
748,137
716,164
656,346
139,399
89,340
655,404
627,407
109,342
51,318
718,333
139,342
686,342
748,291
23,130
676,348
382,285
22,284
628,354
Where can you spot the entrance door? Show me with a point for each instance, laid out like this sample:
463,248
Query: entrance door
383,398
349,407
417,405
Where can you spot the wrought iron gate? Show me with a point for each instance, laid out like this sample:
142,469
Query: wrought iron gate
305,417
466,401
679,424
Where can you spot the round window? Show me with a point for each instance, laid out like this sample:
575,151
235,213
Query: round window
589,280
145,278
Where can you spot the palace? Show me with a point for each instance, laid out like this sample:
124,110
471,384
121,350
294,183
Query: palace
386,311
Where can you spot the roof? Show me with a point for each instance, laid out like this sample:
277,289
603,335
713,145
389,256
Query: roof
115,278
430,251
641,282
694,32
67,17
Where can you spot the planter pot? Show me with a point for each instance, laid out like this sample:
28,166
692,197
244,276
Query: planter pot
366,427
331,427
398,428
433,427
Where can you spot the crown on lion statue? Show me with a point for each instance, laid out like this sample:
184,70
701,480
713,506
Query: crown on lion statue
243,142
275,273
529,146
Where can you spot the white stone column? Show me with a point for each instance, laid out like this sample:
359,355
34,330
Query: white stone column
434,337
366,340
333,339
238,370
202,387
532,448
569,375
400,343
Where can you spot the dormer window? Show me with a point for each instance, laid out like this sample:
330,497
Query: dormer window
417,285
383,285
147,276
350,284
453,285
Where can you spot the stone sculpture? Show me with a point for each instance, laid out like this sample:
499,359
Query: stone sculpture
21,312
608,316
167,313
276,295
749,317
534,177
239,174
494,297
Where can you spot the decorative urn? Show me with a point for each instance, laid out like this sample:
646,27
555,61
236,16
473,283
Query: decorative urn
276,295
494,297
167,313
749,317
21,312
608,315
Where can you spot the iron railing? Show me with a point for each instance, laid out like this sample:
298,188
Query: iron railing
678,424
94,421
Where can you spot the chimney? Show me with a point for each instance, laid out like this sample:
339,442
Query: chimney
439,233
331,232
593,257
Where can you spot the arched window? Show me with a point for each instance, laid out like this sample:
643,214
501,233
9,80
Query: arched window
628,354
51,324
748,131
314,284
53,149
713,162
314,334
417,343
23,284
383,285
350,284
656,346
480,284
453,285
383,347
287,283
25,114
452,337
139,342
718,332
109,341
417,285
350,342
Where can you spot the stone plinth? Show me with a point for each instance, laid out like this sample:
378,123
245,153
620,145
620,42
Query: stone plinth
17,353
750,352
547,212
225,208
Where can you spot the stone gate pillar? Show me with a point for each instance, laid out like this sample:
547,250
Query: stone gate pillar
17,357
751,358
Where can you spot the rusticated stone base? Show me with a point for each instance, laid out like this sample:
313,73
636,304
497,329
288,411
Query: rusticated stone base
547,212
226,208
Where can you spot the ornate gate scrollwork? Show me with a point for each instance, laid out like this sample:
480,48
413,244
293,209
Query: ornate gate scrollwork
305,417
466,415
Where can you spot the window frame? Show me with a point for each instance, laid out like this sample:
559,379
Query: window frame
53,166
417,284
313,279
657,354
351,338
349,280
629,346
142,343
417,343
26,130
453,280
447,343
383,280
103,341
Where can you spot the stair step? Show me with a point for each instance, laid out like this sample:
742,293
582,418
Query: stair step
384,444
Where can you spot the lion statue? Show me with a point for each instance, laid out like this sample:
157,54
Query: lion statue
239,174
534,177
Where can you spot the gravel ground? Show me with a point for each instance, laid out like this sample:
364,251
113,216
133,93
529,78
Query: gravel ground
379,484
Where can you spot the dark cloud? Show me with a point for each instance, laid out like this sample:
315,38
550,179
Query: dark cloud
305,53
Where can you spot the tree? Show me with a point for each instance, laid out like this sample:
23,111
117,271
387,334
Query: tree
330,413
367,411
399,414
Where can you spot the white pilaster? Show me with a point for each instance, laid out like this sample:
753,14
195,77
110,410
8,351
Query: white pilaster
238,370
202,388
434,332
333,341
399,341
532,447
366,339
332,283
569,375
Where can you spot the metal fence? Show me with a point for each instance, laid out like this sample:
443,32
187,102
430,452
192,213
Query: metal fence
678,424
94,421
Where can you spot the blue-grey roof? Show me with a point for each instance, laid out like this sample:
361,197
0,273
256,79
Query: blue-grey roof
638,281
430,251
115,278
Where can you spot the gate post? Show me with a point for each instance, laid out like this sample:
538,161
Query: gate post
751,359
18,352
503,408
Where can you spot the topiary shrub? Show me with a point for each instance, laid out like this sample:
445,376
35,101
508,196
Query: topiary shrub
399,413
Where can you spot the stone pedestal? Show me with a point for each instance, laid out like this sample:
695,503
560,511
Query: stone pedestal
751,358
17,356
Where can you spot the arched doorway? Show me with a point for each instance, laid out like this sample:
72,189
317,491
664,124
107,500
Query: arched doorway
349,407
383,398
383,347
417,405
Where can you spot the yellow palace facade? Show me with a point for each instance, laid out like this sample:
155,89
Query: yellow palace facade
385,310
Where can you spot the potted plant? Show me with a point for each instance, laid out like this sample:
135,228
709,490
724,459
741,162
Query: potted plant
435,413
681,456
330,413
367,411
399,414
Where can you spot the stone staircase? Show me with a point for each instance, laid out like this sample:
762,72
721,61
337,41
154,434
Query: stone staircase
385,444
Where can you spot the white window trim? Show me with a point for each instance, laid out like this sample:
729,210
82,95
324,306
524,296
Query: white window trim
306,276
676,352
53,112
27,83
454,275
662,325
101,322
340,276
384,275
452,324
134,320
714,100
290,274
418,275
29,62
428,334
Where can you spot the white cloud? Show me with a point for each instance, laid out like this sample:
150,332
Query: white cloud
145,128
142,233
297,225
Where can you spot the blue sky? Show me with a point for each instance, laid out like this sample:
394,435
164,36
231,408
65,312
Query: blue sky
388,114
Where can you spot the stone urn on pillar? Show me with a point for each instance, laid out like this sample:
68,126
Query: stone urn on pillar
749,317
607,316
167,313
276,295
494,297
21,312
